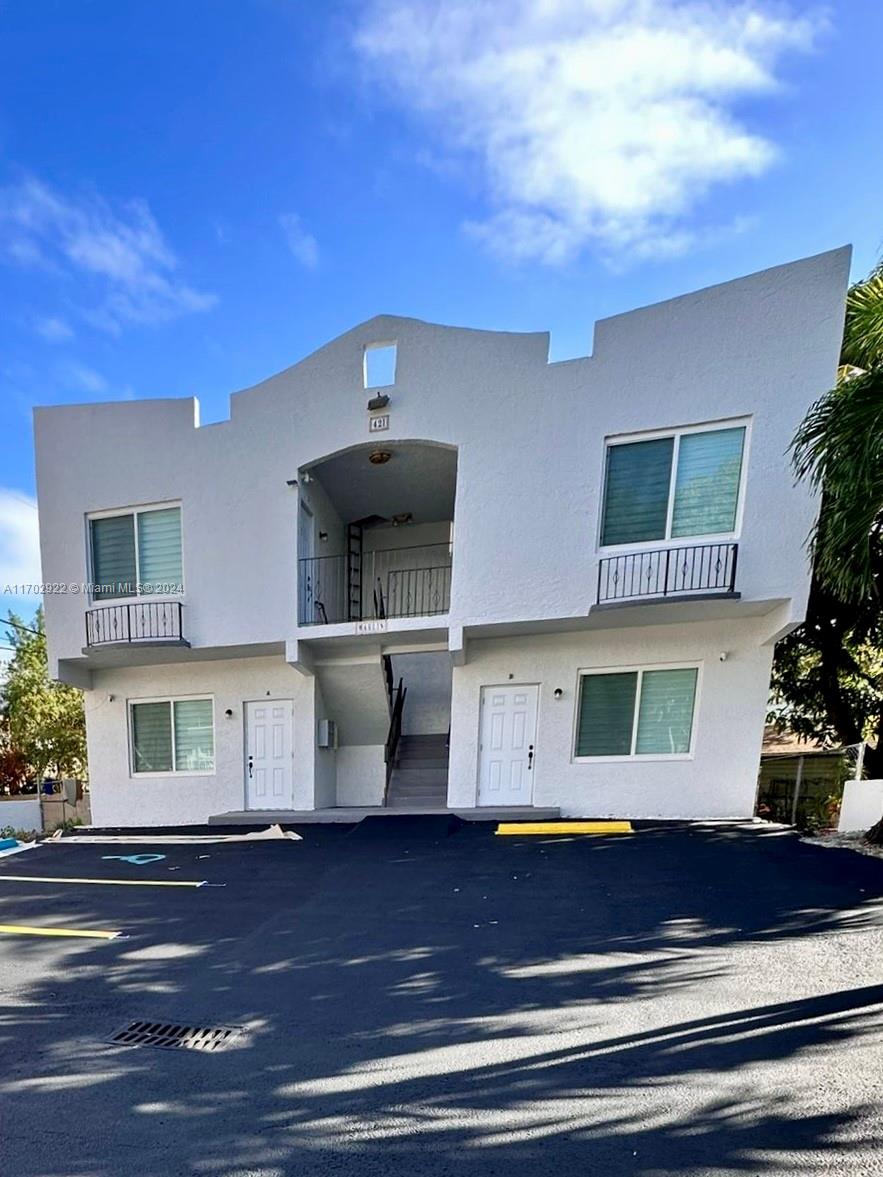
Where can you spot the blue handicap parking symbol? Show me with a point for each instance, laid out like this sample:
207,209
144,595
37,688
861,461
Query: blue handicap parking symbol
136,859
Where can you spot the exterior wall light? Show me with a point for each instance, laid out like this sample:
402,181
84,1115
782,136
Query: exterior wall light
229,712
379,457
558,693
378,402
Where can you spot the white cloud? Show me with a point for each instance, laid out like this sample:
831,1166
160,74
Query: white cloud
53,329
120,256
302,244
594,121
82,378
19,541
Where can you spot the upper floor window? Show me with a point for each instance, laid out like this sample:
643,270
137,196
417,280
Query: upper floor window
684,483
136,552
380,365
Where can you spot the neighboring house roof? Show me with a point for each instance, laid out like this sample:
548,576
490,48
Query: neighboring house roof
778,743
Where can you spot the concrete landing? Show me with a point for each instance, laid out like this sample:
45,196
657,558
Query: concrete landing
263,817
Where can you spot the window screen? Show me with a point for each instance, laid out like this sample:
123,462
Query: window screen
636,491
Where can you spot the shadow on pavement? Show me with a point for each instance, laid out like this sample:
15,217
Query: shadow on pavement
686,1000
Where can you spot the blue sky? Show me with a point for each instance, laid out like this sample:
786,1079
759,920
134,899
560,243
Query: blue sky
193,196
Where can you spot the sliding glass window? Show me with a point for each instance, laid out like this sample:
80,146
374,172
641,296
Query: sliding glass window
686,484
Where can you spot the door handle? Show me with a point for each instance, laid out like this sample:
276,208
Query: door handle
251,766
530,757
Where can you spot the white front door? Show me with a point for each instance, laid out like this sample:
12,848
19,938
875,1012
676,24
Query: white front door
268,756
507,735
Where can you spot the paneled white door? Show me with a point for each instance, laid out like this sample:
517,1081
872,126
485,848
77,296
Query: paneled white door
507,738
268,754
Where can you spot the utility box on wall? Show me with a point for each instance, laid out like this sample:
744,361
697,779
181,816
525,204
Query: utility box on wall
327,736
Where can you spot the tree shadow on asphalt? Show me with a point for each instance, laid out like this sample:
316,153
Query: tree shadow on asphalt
422,1002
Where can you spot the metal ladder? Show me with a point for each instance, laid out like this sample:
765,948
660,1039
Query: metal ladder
354,570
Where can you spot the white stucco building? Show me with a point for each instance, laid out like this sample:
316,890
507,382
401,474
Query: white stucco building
577,570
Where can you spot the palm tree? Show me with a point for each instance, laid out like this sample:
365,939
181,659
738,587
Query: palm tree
839,447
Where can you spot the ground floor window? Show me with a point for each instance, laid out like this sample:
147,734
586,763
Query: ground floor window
172,736
636,712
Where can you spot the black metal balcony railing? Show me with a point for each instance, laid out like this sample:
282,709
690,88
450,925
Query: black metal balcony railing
145,621
668,572
400,582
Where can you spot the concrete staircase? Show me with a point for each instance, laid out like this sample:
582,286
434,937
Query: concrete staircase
419,779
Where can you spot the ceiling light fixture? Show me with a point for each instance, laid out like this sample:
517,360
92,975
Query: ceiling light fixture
379,457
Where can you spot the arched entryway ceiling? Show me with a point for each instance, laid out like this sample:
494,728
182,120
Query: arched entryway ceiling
420,478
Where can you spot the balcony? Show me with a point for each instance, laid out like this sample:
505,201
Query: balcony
397,582
668,573
145,623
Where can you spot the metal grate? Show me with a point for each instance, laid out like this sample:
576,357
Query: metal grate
175,1036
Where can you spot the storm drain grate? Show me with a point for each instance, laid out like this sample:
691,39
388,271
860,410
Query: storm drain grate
175,1036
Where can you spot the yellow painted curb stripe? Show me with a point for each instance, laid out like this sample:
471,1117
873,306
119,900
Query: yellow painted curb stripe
102,882
24,930
565,827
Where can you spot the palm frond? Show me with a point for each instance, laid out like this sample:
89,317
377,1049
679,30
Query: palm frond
839,448
863,329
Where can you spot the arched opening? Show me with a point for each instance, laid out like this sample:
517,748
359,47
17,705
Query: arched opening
375,533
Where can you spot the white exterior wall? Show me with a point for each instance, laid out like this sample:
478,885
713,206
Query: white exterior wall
530,439
119,799
21,813
862,806
530,442
361,774
428,702
719,779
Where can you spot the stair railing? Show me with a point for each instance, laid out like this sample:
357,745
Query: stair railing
395,734
388,679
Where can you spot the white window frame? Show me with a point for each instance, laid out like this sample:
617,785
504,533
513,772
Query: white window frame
677,432
641,669
115,513
171,700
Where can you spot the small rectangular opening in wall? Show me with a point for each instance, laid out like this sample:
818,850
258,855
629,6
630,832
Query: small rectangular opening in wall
380,365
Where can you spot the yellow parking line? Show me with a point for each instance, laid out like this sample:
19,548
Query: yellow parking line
102,882
565,827
24,930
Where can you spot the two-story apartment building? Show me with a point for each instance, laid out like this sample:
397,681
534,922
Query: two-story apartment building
425,566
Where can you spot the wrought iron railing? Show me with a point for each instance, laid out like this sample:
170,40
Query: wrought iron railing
668,572
398,582
145,621
396,710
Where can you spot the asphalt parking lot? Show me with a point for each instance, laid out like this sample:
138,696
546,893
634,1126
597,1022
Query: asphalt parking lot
422,996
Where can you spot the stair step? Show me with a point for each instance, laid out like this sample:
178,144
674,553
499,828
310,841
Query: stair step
413,795
418,793
422,763
410,799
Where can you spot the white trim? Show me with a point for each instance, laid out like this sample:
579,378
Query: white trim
640,670
676,433
171,700
135,511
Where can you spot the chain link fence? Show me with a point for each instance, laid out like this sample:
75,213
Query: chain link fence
804,789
